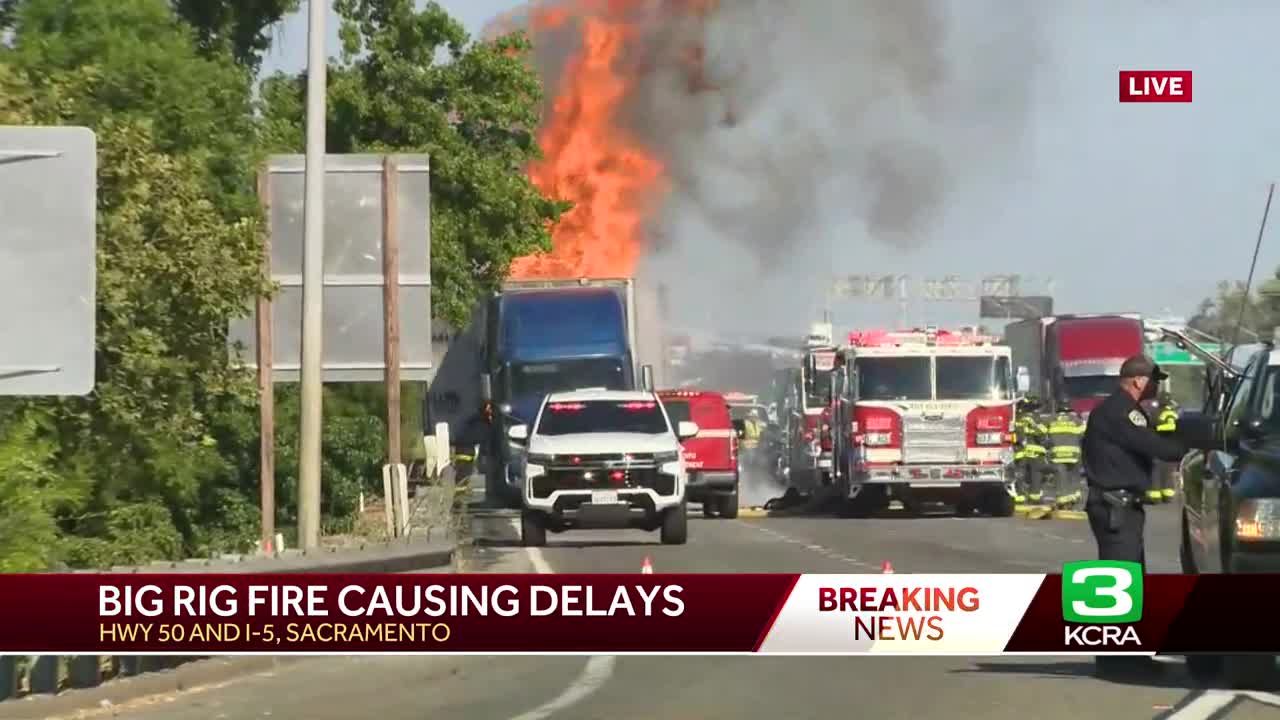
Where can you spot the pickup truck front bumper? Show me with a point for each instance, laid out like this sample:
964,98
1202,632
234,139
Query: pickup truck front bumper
571,503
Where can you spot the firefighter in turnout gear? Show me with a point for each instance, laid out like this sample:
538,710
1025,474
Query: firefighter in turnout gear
1029,451
753,428
1166,424
1064,433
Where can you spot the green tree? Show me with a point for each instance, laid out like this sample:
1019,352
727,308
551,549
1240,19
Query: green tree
148,68
473,113
149,461
1221,314
241,27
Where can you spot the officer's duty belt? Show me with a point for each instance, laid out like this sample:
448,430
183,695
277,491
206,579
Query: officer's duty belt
1118,498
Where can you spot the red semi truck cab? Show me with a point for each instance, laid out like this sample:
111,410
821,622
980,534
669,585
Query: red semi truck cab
1076,356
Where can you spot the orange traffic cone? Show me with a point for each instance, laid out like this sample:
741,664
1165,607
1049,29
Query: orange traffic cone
886,567
646,567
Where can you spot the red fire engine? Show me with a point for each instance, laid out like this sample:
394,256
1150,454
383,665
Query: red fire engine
926,416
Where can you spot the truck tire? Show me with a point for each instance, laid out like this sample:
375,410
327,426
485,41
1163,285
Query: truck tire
675,525
999,503
872,499
729,506
533,529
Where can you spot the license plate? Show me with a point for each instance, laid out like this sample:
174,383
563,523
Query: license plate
604,497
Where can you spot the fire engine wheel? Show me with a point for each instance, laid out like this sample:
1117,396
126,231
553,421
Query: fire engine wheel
870,500
998,503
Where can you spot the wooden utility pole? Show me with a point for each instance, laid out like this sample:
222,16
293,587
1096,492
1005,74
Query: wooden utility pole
391,304
266,385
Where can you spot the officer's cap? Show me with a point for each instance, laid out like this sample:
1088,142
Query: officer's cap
1142,366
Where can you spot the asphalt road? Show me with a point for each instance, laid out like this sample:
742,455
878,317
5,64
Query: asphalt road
533,688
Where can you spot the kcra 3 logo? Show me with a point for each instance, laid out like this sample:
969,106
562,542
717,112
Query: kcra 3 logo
1101,599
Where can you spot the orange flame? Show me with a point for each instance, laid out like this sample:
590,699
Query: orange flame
589,159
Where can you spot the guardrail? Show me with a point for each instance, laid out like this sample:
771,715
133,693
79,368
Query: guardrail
27,676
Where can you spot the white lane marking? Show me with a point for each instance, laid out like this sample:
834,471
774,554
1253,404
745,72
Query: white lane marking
538,561
819,549
1203,707
1211,702
595,673
1265,698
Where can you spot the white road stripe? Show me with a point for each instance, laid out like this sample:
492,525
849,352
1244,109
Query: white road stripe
595,673
1203,707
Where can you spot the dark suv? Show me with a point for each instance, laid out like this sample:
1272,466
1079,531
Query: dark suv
1231,493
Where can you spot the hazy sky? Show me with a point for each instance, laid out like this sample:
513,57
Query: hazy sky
1125,206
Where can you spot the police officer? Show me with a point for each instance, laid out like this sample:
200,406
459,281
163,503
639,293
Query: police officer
1120,447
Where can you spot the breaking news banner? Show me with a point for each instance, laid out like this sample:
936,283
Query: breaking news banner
1092,607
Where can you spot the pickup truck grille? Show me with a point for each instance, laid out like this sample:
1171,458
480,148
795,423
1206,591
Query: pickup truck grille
598,476
600,460
934,441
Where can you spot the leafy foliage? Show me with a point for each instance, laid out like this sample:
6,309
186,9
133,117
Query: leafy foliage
161,460
473,114
241,27
29,494
146,68
1220,315
140,457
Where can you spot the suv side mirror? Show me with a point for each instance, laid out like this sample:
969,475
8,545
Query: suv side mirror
686,430
518,434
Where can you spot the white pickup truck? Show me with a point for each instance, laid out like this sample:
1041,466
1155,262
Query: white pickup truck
603,459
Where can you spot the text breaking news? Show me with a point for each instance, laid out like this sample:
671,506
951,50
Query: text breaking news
1093,608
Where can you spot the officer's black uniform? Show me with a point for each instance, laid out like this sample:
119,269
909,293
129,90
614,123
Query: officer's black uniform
1119,448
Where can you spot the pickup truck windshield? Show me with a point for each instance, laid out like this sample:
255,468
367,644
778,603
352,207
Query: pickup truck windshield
974,378
600,416
894,378
543,378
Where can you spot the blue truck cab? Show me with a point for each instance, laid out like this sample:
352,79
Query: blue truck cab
545,341
529,340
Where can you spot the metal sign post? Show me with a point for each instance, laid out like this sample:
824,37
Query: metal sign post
377,286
